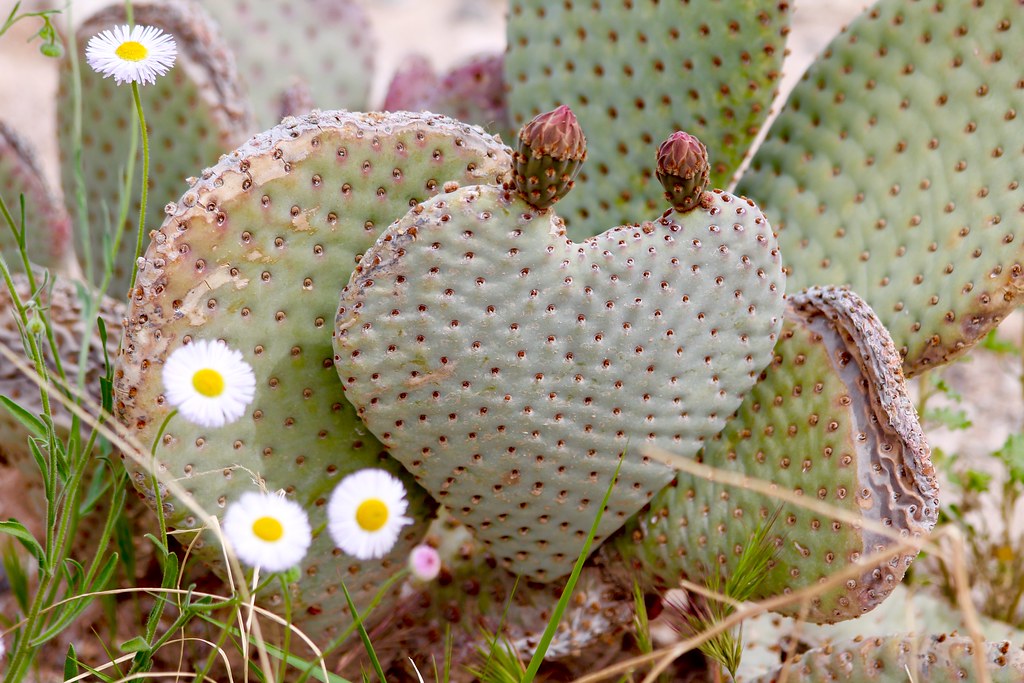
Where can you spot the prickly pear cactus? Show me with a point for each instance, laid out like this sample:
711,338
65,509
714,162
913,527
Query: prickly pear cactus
894,169
255,253
634,72
896,659
194,114
829,419
472,91
508,367
327,45
47,225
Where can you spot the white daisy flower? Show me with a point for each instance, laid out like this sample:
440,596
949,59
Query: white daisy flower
366,513
131,54
425,562
267,531
209,383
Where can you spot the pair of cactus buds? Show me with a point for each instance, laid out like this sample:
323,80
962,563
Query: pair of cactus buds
552,148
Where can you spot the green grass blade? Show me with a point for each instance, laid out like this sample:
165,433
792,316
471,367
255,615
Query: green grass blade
563,602
363,634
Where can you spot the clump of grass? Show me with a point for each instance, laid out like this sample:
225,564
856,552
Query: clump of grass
706,606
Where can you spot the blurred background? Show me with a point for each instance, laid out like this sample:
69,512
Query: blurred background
446,31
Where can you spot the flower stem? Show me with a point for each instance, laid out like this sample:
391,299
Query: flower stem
154,466
145,187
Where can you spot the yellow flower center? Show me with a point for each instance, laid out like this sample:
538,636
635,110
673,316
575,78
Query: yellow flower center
268,529
208,382
371,514
131,51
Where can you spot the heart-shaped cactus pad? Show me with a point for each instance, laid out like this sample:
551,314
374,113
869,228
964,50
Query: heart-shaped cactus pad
508,367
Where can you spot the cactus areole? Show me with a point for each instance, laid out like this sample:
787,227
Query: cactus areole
551,150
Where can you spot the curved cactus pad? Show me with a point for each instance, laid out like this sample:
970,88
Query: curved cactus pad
256,254
829,419
508,367
194,113
634,72
895,169
327,44
898,659
47,225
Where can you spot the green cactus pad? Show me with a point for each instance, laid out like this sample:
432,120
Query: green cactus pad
508,368
635,72
255,253
194,113
898,659
47,225
829,419
326,45
894,169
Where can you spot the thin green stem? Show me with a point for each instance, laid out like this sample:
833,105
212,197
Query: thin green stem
145,186
286,645
153,478
81,194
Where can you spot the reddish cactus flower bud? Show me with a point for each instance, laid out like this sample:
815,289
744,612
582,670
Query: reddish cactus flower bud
683,170
552,148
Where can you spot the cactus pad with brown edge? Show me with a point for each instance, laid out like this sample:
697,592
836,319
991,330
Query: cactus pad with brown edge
255,254
895,168
831,420
900,658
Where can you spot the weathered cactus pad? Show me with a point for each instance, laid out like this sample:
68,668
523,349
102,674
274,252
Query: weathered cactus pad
898,659
508,368
47,225
634,72
256,254
194,113
830,419
895,169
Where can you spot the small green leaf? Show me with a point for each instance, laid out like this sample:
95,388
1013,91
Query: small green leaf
975,481
136,644
953,419
70,663
993,343
1012,454
33,424
17,578
13,527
